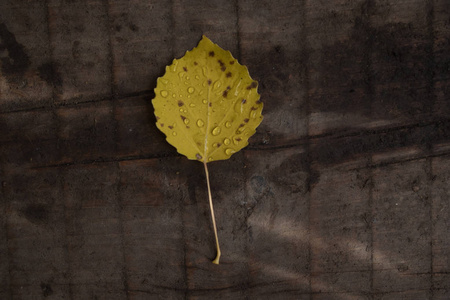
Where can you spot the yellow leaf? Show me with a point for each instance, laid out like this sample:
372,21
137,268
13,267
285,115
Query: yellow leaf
208,107
207,104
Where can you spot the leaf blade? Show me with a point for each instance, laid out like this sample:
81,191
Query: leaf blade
207,104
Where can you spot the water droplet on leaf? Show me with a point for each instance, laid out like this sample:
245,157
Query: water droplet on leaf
174,65
164,94
200,123
229,151
217,85
216,131
226,141
240,130
239,107
191,90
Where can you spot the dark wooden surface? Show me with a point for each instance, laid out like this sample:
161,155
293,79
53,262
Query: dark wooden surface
343,193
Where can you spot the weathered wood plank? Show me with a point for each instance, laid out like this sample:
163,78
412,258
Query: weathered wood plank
272,46
136,133
441,74
24,56
5,291
79,37
338,36
341,237
413,295
93,230
86,132
402,62
141,41
215,19
440,195
401,228
153,245
95,131
36,234
277,203
29,137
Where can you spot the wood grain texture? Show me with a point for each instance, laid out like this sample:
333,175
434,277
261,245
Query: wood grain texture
25,56
343,192
79,37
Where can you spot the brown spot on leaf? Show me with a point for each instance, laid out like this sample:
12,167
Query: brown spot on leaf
161,124
182,118
225,93
223,68
209,81
246,120
185,69
170,127
198,156
220,63
253,108
253,85
157,118
211,53
238,139
228,74
209,104
180,103
241,125
244,101
218,145
232,62
195,63
258,102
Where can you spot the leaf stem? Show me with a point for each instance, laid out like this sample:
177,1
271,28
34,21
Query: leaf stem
216,260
